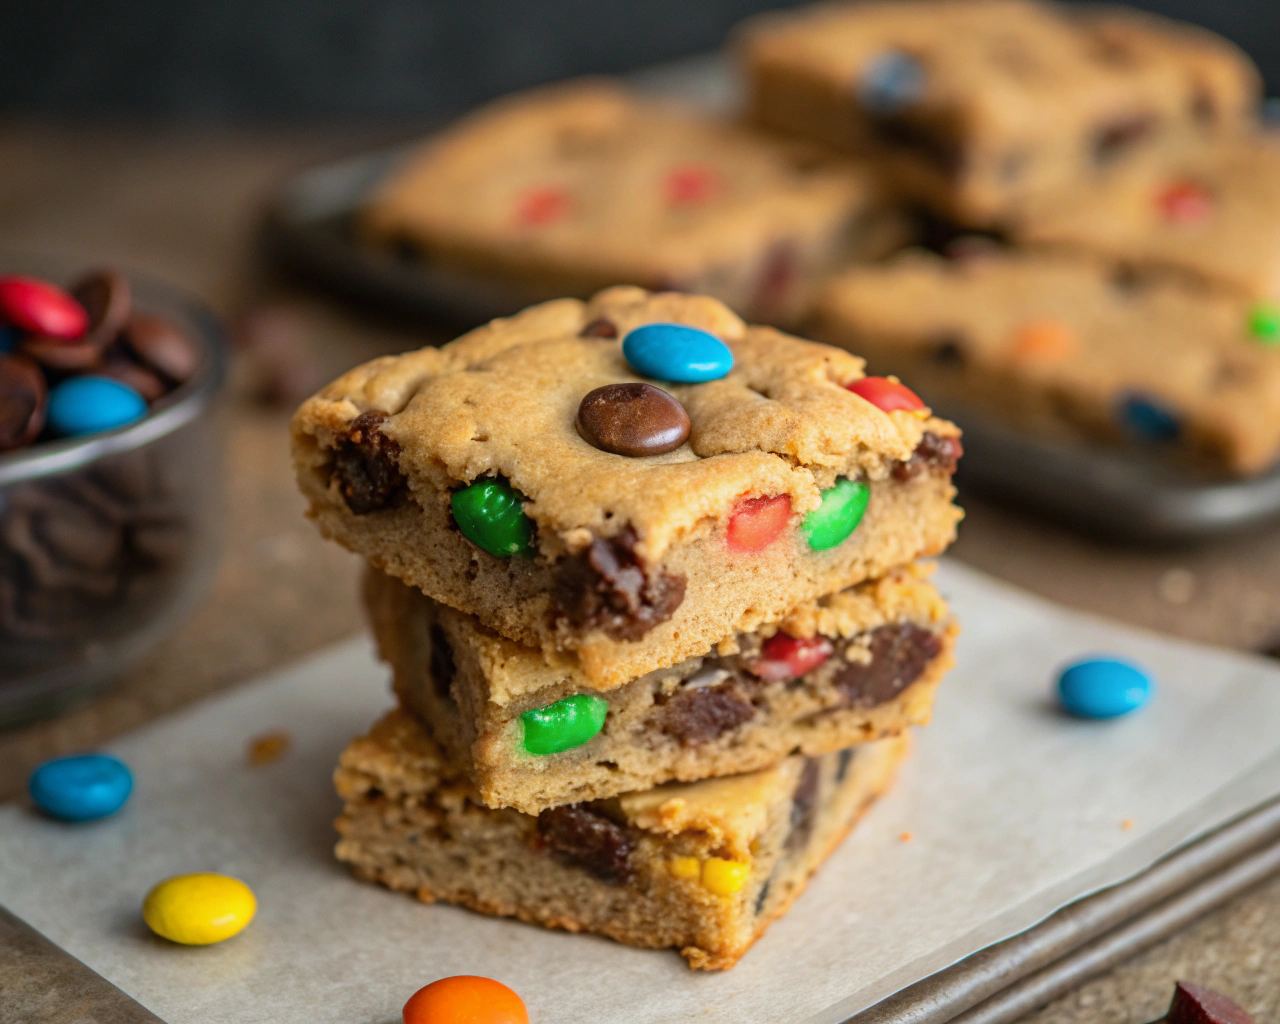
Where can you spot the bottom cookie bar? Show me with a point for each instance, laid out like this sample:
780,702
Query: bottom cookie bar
701,866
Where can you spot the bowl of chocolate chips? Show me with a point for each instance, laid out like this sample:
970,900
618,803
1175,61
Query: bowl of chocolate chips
108,476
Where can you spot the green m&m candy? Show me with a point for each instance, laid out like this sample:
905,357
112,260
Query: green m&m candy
1264,323
489,514
563,725
839,514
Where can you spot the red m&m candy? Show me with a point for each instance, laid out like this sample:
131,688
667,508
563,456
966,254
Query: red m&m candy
37,307
758,522
465,999
1185,202
887,394
541,206
785,657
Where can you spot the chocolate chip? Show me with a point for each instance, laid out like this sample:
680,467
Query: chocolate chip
364,464
764,895
698,714
1112,139
934,452
600,327
632,419
588,839
899,654
1195,1004
931,138
442,665
108,299
22,401
162,347
605,587
843,762
804,803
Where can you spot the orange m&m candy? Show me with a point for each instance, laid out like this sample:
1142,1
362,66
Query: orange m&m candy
465,999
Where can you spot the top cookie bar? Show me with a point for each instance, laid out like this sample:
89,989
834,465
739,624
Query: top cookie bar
983,104
568,189
478,473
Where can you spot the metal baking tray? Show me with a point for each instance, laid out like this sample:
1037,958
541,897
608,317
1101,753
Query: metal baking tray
1130,494
40,983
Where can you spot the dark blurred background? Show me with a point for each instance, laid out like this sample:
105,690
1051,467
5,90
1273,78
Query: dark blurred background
274,59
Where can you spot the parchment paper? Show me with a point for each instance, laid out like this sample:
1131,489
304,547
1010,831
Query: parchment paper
1013,809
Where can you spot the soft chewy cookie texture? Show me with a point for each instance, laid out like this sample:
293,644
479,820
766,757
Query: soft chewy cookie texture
1209,213
982,105
703,867
1070,346
570,188
629,563
849,668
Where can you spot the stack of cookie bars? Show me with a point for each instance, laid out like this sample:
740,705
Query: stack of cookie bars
647,579
1089,210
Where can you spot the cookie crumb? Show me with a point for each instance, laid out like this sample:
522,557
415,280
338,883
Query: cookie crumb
1176,586
905,837
1127,824
268,748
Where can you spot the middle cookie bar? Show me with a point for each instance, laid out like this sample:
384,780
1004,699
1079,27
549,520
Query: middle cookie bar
532,733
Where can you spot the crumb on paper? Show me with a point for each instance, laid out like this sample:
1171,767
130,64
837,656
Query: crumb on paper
268,748
905,837
1127,824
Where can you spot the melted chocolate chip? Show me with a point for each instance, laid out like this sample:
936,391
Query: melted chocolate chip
695,715
365,466
442,665
632,419
605,587
600,327
804,804
1112,139
934,452
22,401
587,839
899,654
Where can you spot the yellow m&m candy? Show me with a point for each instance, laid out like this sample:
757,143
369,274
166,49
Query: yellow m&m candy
198,910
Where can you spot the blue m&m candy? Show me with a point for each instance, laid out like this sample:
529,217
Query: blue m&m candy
81,788
1103,688
89,405
675,352
1147,419
890,83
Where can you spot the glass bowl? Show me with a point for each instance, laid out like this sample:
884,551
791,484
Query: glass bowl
107,541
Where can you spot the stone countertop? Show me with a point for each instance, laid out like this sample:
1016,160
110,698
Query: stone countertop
185,206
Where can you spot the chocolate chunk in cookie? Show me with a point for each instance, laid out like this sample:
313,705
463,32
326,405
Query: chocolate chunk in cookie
898,656
364,464
933,453
588,839
605,587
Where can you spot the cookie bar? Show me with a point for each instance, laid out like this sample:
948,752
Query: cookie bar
467,472
571,188
850,668
983,104
1210,213
1069,346
703,867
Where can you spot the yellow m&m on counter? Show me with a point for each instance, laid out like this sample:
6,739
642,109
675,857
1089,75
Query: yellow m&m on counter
199,910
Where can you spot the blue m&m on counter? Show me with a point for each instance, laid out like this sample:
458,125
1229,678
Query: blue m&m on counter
1102,688
81,788
90,405
677,353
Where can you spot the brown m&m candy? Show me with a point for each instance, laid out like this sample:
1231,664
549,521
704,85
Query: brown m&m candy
23,395
632,419
162,347
108,299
